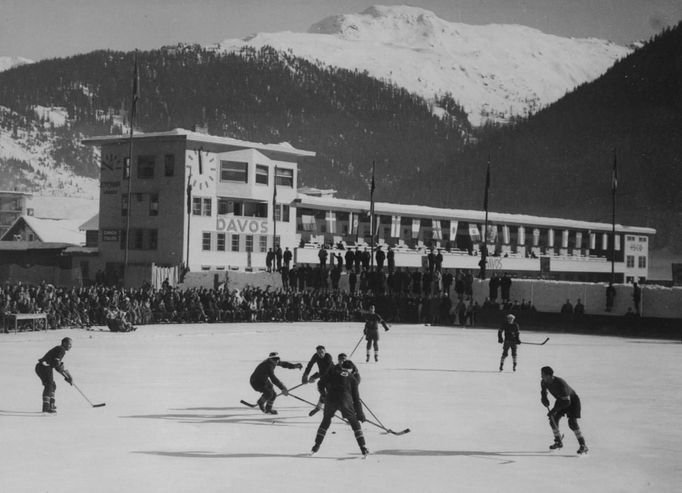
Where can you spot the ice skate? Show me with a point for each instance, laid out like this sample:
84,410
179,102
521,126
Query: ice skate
315,448
270,411
364,451
583,449
315,410
558,443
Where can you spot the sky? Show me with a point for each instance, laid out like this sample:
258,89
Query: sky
41,29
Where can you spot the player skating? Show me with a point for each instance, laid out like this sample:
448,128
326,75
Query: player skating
371,331
567,403
355,382
263,378
510,329
338,382
44,369
324,362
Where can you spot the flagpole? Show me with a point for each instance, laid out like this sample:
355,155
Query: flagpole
614,185
274,206
371,220
189,216
484,252
129,168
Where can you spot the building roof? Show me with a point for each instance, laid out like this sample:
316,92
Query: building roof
12,192
421,211
91,224
210,143
51,230
20,246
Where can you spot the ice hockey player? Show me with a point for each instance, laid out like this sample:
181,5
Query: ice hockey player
53,361
324,363
263,378
338,383
567,403
510,329
355,382
371,331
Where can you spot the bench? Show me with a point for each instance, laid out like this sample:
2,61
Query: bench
36,321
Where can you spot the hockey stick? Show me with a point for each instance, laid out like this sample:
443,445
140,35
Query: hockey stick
356,346
86,397
388,430
380,424
537,343
256,405
315,405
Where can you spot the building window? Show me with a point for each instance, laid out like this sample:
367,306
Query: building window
284,177
153,239
196,206
138,239
249,243
642,239
278,212
630,259
205,241
261,174
225,206
220,238
169,165
145,167
235,243
126,168
285,213
153,204
641,262
234,171
263,243
201,206
124,205
206,205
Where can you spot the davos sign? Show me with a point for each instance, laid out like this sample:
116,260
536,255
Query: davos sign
237,225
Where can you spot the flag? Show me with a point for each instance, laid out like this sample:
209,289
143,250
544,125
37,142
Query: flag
189,194
136,92
505,234
330,218
395,226
564,238
352,223
377,223
416,224
492,233
453,230
614,174
487,186
474,234
436,230
373,186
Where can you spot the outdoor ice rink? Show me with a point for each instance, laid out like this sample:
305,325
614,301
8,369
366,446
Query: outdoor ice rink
173,421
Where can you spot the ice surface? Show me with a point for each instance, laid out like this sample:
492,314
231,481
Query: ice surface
173,421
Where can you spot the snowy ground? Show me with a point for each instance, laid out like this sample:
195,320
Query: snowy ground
173,421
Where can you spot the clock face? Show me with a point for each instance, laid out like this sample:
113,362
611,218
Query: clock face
202,170
111,161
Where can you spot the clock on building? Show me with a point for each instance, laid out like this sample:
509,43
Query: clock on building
202,170
111,161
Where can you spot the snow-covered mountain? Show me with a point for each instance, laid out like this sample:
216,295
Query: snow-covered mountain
8,62
494,71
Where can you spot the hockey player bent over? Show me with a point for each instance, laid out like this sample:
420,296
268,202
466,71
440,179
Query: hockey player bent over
324,363
371,331
53,361
355,382
567,403
338,382
510,329
263,377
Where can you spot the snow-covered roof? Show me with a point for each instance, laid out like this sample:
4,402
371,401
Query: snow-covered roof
90,224
221,144
422,211
52,230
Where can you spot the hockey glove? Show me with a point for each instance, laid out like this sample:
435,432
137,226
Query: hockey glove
304,380
285,391
68,378
299,366
499,339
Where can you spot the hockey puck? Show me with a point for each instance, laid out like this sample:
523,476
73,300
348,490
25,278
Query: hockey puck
333,433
